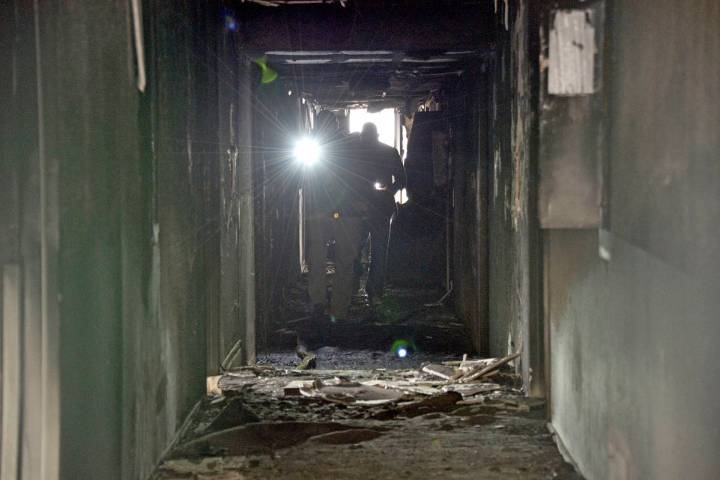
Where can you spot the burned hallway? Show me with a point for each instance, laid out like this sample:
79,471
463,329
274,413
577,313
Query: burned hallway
550,291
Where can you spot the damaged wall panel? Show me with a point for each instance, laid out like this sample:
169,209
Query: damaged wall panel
572,131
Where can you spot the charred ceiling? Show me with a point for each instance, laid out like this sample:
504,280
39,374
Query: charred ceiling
369,52
362,3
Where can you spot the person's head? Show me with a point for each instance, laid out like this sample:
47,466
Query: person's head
369,132
326,122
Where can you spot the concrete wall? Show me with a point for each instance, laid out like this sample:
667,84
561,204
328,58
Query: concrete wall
633,339
111,208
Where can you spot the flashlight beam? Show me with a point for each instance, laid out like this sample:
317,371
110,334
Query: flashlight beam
307,152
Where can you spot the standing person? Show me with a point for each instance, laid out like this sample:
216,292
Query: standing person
385,173
335,212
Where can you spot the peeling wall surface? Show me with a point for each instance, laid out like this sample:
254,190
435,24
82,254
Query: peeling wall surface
633,339
110,214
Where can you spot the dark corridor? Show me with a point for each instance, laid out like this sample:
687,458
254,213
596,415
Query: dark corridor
549,305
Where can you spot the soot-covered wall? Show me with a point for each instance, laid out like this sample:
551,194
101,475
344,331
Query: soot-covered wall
634,338
469,160
514,294
110,228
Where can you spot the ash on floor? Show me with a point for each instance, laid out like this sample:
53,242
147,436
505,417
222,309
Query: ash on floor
334,358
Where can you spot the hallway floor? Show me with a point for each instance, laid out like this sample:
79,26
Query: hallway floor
261,429
368,413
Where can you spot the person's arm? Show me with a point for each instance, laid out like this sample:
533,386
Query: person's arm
398,172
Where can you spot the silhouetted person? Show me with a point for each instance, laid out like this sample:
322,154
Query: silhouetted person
335,210
383,170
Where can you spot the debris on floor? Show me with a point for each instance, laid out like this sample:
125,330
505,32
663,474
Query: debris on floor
391,398
441,371
443,402
480,371
309,361
447,418
350,393
257,438
351,436
375,387
235,413
308,358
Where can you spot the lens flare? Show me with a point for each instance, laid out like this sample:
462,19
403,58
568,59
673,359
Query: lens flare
402,348
230,23
307,152
268,74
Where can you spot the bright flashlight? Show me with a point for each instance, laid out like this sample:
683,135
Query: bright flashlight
402,352
307,152
379,186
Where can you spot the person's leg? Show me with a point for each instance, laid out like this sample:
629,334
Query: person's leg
348,241
317,257
379,238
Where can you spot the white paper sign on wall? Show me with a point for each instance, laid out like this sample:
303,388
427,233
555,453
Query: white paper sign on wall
572,52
